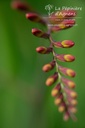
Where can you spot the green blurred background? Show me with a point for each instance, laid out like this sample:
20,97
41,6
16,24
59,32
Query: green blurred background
25,101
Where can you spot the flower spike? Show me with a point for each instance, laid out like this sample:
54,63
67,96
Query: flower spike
63,92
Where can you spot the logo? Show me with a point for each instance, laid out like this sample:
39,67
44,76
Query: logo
49,7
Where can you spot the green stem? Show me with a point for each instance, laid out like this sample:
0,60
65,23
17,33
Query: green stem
57,70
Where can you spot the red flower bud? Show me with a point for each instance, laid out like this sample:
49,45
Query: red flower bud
64,44
67,71
67,43
35,17
70,93
40,33
22,6
72,102
68,83
43,50
65,58
57,44
67,23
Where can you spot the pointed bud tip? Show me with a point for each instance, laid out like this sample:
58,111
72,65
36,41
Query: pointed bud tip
34,30
27,15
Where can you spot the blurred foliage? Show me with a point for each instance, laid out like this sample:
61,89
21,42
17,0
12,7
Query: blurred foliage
25,101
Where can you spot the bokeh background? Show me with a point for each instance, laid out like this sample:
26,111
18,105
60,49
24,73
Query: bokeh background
25,101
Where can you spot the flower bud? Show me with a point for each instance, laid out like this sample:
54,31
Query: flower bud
68,82
67,43
58,99
52,79
64,44
58,44
43,50
48,67
56,90
72,109
66,116
40,33
62,107
22,6
59,16
65,58
73,102
55,18
67,23
73,94
70,93
35,17
67,71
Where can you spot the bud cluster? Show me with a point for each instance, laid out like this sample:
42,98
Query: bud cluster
64,95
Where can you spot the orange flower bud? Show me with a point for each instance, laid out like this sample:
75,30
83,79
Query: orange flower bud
73,94
72,109
65,58
58,99
68,83
67,71
56,90
66,116
48,67
52,79
62,107
70,93
43,50
73,102
40,33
